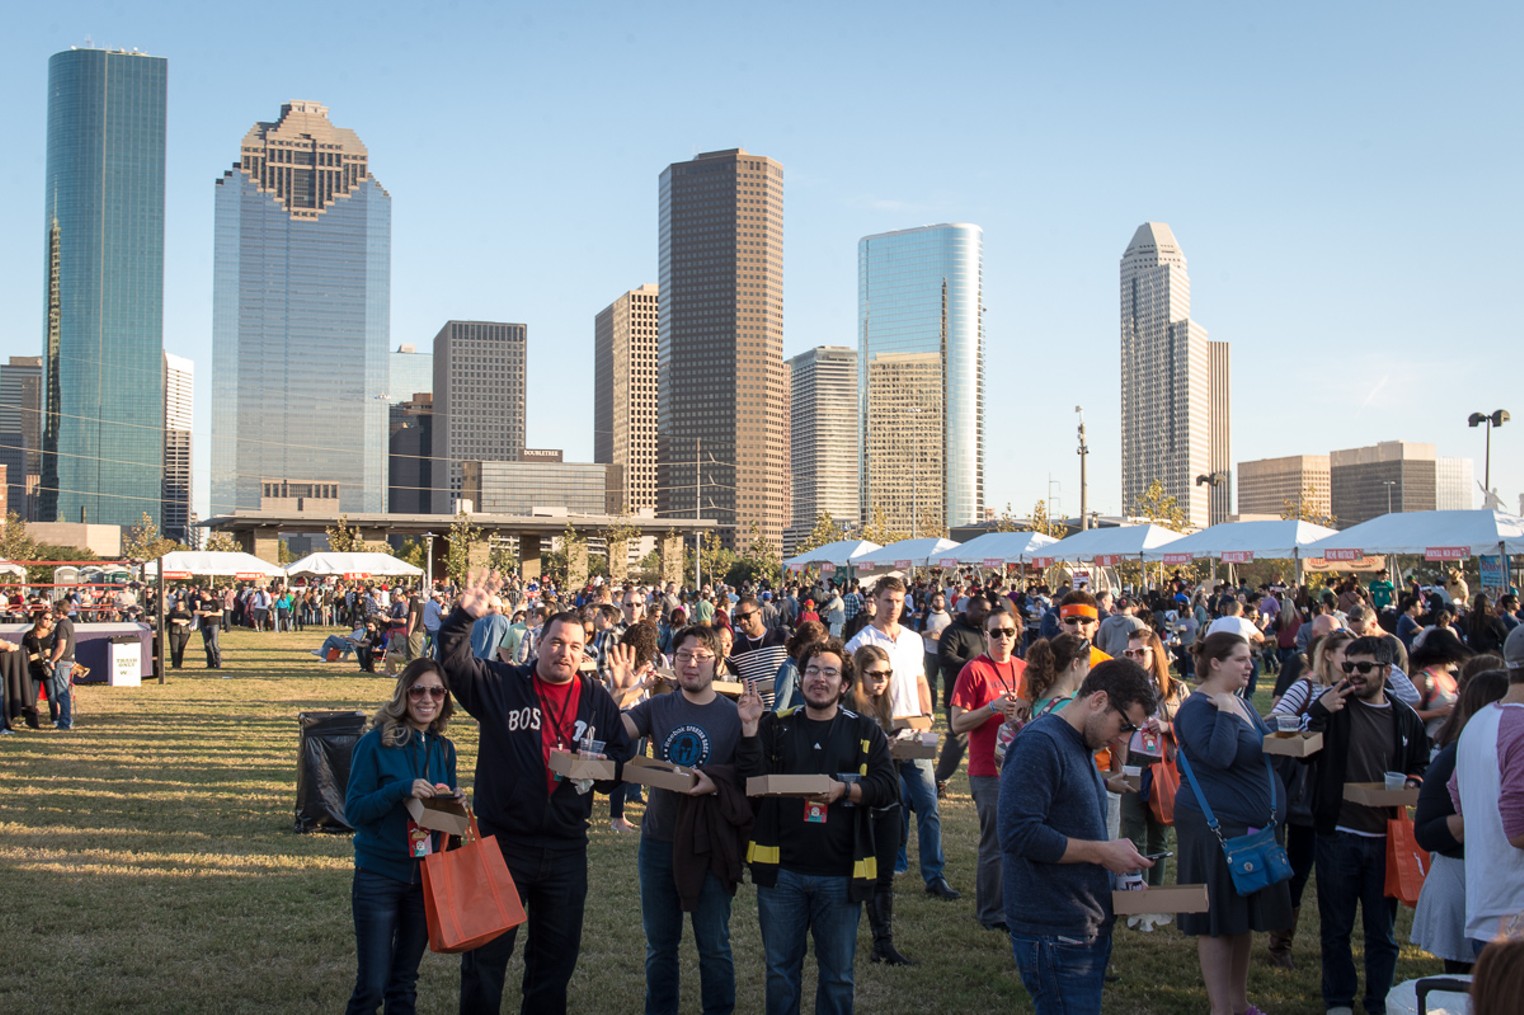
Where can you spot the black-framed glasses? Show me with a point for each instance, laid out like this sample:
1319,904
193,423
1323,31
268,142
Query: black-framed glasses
741,618
878,674
1001,632
1077,621
1362,667
417,691
1128,726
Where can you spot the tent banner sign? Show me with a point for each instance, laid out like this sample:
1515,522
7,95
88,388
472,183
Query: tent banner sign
1237,556
1107,559
827,568
248,576
177,576
1043,561
902,565
1177,558
948,563
993,562
1495,572
1446,553
1343,554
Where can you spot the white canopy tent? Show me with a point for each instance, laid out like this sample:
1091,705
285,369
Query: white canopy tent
332,564
6,567
925,551
1433,535
212,564
1241,542
1110,546
838,554
997,549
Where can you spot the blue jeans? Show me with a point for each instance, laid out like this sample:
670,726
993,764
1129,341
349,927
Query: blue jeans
819,904
1352,871
58,694
662,918
334,641
1064,975
390,935
918,788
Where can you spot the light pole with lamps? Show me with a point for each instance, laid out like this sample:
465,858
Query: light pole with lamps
1388,483
1497,418
428,560
1083,451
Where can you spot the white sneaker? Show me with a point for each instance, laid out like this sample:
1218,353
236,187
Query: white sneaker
1160,919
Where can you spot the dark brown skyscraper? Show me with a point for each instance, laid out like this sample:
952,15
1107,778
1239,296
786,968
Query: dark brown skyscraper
722,446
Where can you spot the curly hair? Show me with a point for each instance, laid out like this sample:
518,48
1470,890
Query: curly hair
391,718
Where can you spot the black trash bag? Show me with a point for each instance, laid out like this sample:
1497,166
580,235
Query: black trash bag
322,774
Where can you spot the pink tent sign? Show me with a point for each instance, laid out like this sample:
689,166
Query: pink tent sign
1446,553
827,568
947,562
1237,556
1177,558
1343,554
1107,559
1043,561
902,565
993,562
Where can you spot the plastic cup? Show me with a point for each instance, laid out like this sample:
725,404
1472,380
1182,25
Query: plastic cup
1287,723
1395,780
1132,771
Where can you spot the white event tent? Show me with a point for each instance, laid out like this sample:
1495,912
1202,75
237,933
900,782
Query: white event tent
838,554
1111,545
212,564
925,551
1241,542
353,565
1433,535
997,549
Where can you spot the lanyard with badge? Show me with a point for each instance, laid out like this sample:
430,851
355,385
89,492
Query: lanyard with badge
420,841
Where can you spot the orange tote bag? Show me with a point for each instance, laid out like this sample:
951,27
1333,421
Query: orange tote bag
468,895
1407,864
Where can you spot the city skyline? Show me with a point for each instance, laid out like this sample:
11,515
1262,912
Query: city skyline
1262,223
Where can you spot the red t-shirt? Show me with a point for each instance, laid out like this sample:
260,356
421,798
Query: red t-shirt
558,720
980,682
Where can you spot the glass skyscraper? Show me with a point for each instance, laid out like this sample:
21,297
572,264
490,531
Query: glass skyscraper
103,387
300,317
920,329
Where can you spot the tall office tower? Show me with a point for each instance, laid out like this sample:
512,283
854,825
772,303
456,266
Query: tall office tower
1365,483
479,403
410,476
21,432
625,337
824,455
301,310
410,373
1272,487
921,292
1170,430
179,419
721,449
1455,489
1220,495
104,322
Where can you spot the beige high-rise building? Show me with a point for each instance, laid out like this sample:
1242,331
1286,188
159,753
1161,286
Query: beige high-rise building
1267,487
625,337
721,416
1397,476
1170,372
1220,487
823,439
904,442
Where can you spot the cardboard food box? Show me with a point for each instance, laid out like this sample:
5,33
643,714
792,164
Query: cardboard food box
919,723
574,766
917,745
735,688
1294,745
1375,794
1164,899
788,785
661,774
1134,783
441,814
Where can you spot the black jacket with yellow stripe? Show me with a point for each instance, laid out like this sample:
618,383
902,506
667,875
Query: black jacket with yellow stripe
854,743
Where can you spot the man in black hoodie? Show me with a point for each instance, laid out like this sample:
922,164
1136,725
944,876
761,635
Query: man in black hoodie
540,820
961,641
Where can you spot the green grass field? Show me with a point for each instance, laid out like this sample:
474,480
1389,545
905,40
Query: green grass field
149,864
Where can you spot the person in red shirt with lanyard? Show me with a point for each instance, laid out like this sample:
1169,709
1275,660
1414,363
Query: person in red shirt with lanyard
540,820
989,692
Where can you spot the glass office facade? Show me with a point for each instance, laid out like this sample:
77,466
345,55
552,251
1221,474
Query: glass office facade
300,316
104,295
921,291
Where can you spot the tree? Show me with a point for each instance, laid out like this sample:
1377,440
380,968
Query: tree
616,540
142,541
1005,522
222,542
283,554
1154,506
1303,509
717,560
1039,522
877,529
826,530
343,537
458,554
758,562
16,543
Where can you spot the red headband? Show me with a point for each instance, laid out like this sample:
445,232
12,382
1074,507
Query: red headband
1079,610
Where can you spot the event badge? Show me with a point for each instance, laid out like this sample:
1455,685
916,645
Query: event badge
815,812
420,841
1146,744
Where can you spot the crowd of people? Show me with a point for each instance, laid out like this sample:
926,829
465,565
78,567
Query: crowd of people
1078,715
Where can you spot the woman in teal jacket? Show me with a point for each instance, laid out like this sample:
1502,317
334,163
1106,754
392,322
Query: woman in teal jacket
404,754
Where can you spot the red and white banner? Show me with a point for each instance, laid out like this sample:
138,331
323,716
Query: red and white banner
248,576
176,576
1043,561
902,565
1107,559
1237,556
948,563
827,568
993,562
1177,558
1343,554
1446,553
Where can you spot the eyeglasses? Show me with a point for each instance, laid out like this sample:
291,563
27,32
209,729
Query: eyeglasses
1128,726
741,618
1001,632
1138,653
830,673
417,691
1349,666
695,657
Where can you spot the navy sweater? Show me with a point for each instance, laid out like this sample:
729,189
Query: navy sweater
380,781
1051,792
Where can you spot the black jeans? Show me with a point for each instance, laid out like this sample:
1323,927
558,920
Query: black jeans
1352,872
552,884
1301,847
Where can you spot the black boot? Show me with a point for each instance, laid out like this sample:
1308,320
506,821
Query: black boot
881,919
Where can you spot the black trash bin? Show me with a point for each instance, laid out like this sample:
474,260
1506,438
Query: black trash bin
322,775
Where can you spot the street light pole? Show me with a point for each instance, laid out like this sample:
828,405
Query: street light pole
1497,418
1388,483
1083,453
428,561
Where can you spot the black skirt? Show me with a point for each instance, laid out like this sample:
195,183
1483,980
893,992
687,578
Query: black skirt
1202,863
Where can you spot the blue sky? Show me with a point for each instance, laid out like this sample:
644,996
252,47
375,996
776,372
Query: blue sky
1343,179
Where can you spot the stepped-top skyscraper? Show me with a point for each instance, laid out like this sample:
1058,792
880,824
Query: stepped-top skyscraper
300,318
1174,385
824,453
722,448
103,387
920,329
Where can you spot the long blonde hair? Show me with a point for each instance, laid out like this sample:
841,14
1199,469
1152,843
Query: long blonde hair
880,707
1323,651
391,718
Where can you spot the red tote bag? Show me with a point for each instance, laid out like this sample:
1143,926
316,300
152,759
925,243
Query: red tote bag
468,895
1407,864
1166,783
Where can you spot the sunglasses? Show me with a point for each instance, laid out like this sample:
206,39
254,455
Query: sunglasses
417,691
743,617
878,674
1128,726
1001,632
1077,621
1137,653
1359,667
